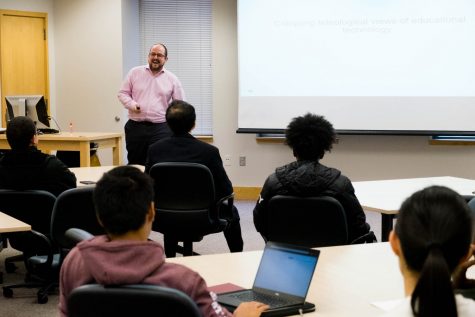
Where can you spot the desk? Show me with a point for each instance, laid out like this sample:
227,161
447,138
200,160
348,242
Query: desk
347,279
93,173
77,141
386,196
10,224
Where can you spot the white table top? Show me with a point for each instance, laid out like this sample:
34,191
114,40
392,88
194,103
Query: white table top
93,173
10,224
386,196
347,279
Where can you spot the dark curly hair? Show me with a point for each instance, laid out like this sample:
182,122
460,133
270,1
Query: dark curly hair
310,136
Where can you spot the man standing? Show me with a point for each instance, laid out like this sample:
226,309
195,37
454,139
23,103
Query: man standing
146,93
183,147
25,167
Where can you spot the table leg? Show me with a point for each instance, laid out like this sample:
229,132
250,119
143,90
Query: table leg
117,152
85,153
386,226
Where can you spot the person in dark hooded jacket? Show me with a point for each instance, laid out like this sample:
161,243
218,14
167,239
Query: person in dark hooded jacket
123,199
309,137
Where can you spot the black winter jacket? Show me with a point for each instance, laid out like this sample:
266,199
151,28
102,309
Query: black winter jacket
307,179
31,169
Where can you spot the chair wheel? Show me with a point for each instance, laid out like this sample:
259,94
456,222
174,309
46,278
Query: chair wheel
7,292
10,267
42,298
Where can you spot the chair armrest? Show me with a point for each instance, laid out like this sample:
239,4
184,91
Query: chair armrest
227,201
366,238
33,243
76,235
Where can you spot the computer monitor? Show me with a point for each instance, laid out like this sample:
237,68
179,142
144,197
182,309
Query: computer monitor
32,106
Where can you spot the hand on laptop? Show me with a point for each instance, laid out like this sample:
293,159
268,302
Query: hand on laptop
459,276
250,309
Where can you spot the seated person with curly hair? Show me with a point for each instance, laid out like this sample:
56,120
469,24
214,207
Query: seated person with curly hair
309,137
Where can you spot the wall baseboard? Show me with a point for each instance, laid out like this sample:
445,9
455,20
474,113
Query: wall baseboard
247,193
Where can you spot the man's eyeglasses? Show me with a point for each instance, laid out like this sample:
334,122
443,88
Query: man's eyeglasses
156,55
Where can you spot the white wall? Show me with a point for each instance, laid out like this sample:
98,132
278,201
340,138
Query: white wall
88,61
88,36
92,52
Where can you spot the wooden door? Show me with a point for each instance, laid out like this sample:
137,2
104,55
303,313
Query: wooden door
23,55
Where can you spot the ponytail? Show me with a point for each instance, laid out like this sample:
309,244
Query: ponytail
433,294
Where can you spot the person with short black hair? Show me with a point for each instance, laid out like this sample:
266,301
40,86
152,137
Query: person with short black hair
26,167
184,147
124,204
146,93
310,137
432,237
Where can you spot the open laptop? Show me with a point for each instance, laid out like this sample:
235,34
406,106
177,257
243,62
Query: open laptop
282,281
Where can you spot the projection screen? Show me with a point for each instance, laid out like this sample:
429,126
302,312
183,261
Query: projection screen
368,66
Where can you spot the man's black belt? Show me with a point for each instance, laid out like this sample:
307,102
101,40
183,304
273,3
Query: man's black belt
147,122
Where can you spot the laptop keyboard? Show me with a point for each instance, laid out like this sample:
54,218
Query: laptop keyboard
272,301
47,131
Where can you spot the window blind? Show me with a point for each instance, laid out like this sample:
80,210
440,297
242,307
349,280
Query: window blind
184,26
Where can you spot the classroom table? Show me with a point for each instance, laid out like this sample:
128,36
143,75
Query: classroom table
77,141
351,280
85,175
347,279
386,196
10,224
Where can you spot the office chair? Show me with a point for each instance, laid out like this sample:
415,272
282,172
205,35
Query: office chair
74,208
95,300
186,209
38,253
75,235
309,221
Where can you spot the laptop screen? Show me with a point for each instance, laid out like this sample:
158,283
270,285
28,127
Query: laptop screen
286,270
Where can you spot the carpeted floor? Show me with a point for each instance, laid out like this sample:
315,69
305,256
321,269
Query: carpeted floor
24,303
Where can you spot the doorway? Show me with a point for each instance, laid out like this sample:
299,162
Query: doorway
23,55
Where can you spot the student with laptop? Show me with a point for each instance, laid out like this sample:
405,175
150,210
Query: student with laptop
123,199
432,237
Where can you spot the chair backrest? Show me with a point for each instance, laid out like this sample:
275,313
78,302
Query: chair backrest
307,221
95,300
184,198
74,208
33,207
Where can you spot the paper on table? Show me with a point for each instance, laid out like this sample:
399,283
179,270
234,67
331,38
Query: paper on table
387,305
